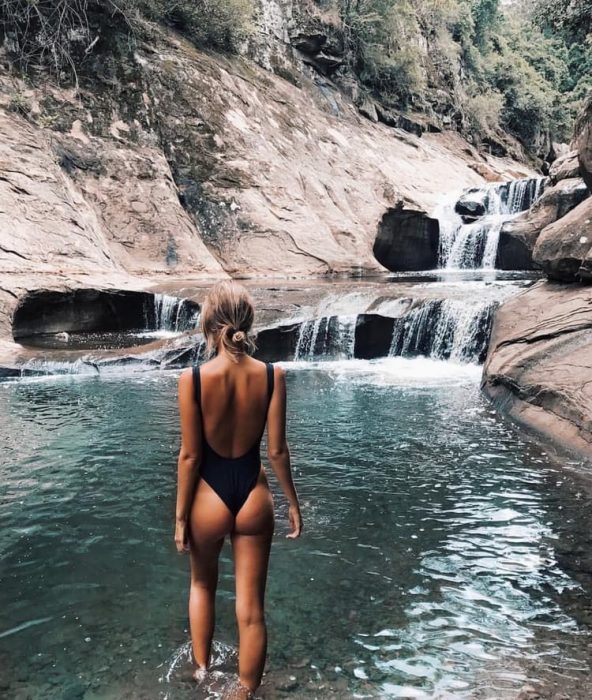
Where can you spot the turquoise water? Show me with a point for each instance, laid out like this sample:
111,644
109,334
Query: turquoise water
443,555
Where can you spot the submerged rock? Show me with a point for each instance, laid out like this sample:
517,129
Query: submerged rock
407,240
539,366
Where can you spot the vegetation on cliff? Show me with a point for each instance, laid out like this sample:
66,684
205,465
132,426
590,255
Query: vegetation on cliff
523,67
483,67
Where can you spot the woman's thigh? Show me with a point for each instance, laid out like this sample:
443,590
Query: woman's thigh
256,516
251,543
210,519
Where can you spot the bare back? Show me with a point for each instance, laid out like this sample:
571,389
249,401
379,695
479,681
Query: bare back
234,405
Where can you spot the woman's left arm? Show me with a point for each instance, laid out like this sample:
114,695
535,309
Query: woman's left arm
189,458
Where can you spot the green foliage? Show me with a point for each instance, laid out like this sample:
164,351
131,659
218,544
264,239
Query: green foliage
60,33
383,42
219,24
496,61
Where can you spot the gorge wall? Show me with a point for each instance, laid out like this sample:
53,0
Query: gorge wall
539,366
169,161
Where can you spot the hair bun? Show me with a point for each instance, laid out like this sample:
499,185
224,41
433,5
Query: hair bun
239,337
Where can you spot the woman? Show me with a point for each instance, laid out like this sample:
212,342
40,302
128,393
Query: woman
224,406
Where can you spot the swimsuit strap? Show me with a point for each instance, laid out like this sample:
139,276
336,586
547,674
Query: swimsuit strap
270,381
197,385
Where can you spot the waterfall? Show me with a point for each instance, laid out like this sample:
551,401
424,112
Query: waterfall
328,336
307,339
473,244
174,314
447,329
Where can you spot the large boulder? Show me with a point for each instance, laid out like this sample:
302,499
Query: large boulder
583,142
407,240
565,167
538,369
563,248
519,235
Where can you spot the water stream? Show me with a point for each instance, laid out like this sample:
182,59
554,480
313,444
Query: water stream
442,554
472,244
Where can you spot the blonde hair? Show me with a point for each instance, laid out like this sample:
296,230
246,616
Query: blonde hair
227,316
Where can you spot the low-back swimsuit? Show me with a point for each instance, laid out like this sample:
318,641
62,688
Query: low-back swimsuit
232,478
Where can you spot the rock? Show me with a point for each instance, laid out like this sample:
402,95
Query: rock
583,142
113,191
95,310
563,248
519,235
472,203
407,240
324,62
565,167
367,108
277,343
539,366
399,121
310,43
373,336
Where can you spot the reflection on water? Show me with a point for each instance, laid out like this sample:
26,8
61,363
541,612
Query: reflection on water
443,556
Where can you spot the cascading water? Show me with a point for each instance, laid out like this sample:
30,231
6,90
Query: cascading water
444,329
174,314
469,237
328,336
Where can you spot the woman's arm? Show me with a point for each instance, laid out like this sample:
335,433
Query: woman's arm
278,451
189,457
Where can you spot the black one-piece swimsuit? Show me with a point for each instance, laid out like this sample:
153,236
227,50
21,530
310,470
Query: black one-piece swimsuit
232,478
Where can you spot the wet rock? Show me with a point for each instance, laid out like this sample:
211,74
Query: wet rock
84,310
539,366
373,336
583,142
519,235
565,167
472,203
563,248
277,343
407,240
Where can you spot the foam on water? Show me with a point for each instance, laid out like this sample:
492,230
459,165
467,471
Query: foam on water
395,371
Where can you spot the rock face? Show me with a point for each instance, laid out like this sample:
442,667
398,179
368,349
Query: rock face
539,365
583,142
519,235
243,173
565,167
407,240
563,248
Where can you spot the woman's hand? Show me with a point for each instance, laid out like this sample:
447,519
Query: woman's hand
295,522
181,536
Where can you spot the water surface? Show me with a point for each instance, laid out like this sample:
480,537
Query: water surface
443,555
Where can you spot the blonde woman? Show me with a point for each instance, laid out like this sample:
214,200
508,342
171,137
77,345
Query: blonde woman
222,489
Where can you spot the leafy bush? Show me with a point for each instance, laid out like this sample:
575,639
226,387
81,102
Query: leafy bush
59,33
219,24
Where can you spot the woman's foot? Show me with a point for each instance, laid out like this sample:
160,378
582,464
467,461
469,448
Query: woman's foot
238,691
200,674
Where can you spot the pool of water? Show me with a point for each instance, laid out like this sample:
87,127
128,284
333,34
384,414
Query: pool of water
443,555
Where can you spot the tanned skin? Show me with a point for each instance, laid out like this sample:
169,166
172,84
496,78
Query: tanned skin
234,395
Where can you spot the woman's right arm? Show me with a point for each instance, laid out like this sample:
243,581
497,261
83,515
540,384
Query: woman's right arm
278,451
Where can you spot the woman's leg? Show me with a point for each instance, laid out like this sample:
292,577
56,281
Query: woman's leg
251,542
211,521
